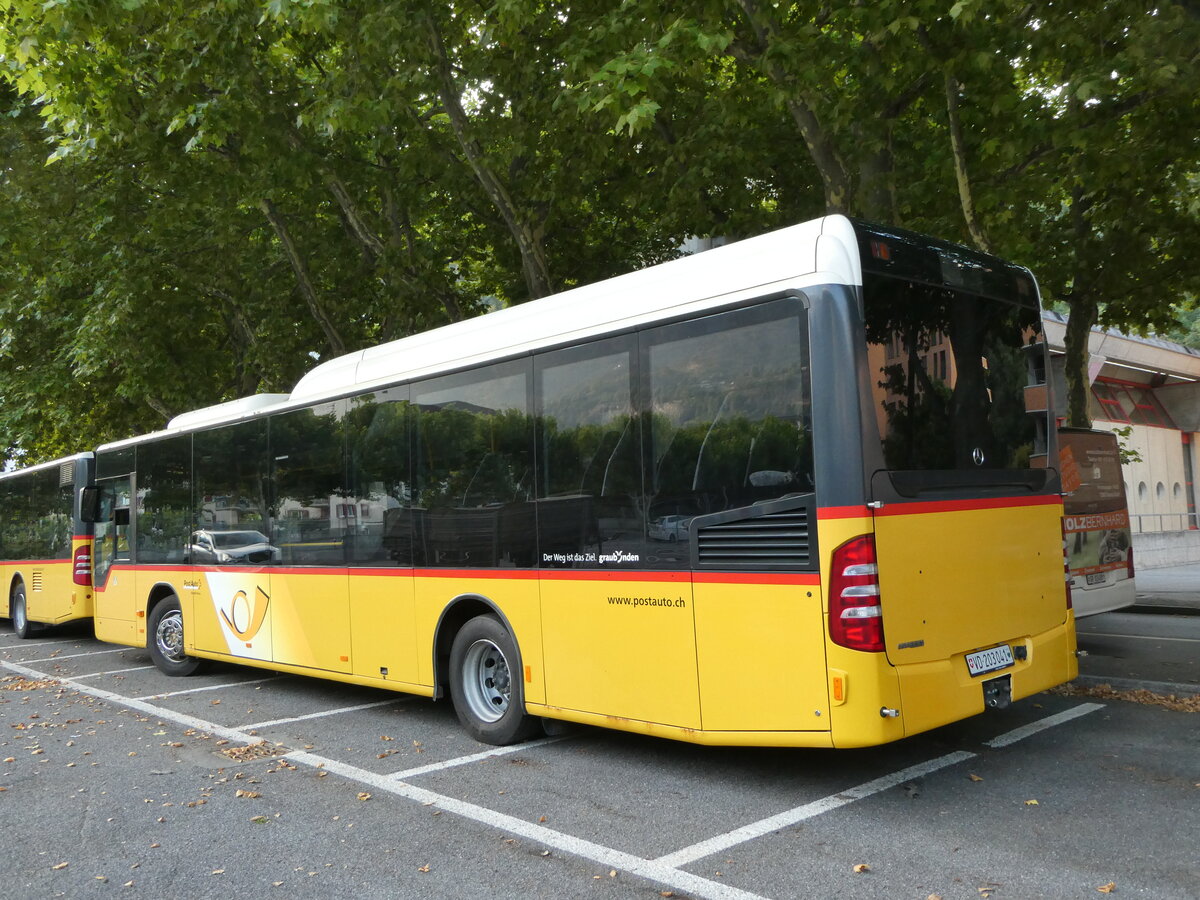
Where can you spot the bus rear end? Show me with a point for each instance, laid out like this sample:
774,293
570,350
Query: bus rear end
1096,521
954,592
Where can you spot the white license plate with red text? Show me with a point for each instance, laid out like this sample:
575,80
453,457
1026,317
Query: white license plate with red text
990,660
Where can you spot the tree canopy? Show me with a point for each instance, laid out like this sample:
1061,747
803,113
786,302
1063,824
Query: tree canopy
201,200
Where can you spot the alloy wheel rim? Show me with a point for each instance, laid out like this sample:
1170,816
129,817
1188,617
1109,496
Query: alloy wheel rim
487,681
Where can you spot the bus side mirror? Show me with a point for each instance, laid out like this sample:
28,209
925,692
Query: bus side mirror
89,505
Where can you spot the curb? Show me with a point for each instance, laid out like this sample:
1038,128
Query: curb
1136,684
1162,609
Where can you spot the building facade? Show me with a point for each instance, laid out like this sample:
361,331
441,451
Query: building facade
1147,390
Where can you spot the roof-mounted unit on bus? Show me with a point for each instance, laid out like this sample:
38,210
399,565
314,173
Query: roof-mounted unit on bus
228,411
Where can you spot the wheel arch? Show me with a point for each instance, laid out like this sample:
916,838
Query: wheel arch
457,613
17,579
160,592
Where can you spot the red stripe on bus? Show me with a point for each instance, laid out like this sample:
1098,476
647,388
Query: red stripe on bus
611,575
35,562
932,506
807,578
796,578
842,512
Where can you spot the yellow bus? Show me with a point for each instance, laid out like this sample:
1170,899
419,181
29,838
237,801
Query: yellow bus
45,548
791,492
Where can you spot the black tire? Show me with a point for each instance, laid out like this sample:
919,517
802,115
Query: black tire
165,640
18,610
486,684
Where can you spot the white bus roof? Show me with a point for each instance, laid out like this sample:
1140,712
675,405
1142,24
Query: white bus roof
47,465
822,251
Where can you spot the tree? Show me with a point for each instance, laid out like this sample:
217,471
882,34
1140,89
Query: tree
241,189
1061,139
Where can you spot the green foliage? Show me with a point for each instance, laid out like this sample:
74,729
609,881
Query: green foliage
239,189
1126,453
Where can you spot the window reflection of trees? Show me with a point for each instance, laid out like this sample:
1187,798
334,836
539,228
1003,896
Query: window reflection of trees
165,504
474,468
590,478
36,516
232,473
314,516
936,423
730,422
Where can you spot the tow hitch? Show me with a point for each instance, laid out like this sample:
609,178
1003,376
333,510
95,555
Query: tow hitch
997,693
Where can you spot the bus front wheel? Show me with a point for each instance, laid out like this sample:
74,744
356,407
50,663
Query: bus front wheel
22,627
166,640
486,685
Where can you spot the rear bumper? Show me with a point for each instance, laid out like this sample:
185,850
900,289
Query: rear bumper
940,692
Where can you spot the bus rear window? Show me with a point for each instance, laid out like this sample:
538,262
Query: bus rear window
954,377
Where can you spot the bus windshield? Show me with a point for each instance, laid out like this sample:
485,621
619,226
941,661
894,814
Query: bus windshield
954,344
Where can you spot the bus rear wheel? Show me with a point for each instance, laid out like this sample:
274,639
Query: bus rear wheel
486,684
17,608
166,640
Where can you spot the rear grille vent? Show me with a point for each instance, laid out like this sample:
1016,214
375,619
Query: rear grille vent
774,540
66,474
35,580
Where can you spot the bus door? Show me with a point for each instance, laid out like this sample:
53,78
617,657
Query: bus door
112,555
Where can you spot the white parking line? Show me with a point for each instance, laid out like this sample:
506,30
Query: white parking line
1139,637
555,840
141,706
1019,734
78,655
211,687
475,757
653,870
321,715
842,798
662,870
21,645
115,672
808,811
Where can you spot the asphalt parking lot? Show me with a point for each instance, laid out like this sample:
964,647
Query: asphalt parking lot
118,779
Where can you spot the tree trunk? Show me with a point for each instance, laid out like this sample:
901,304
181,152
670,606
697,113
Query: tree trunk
527,236
1079,328
835,178
303,279
959,146
370,243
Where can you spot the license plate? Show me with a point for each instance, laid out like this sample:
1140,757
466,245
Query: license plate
1097,578
983,661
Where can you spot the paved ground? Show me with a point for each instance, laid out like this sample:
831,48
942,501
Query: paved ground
117,780
1173,587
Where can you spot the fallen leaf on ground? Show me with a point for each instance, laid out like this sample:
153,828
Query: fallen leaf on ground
974,777
1107,888
1141,695
862,867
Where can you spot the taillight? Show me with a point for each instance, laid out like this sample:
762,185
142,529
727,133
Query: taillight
1067,565
1129,562
855,614
82,565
